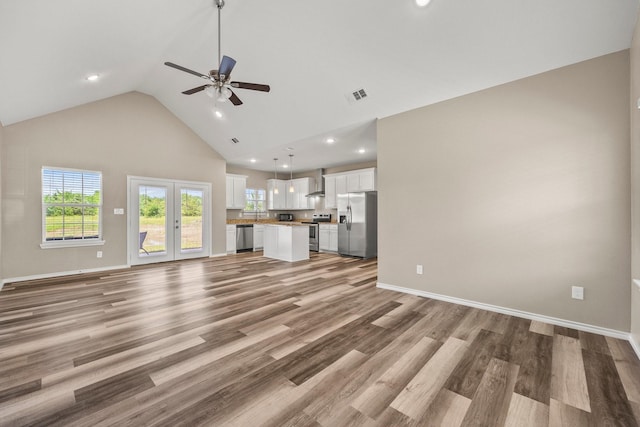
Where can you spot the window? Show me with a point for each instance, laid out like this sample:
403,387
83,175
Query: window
256,200
71,207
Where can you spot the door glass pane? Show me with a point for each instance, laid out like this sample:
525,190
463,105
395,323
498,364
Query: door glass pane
191,219
153,220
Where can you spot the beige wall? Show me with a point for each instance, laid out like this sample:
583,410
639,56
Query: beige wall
635,183
1,216
511,195
130,134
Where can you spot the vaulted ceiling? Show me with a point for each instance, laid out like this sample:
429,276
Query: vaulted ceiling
313,54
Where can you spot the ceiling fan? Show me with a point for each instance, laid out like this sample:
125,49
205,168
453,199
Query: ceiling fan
219,80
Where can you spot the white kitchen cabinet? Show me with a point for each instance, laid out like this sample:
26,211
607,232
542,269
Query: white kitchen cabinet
333,237
231,238
323,237
277,200
286,200
361,180
341,184
258,236
328,238
347,182
298,200
330,199
236,191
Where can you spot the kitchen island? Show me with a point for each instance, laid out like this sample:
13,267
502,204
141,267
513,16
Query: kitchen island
286,242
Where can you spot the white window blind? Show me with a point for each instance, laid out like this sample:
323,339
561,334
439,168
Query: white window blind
71,205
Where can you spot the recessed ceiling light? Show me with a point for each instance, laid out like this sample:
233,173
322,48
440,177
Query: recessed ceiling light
361,151
330,140
253,160
218,114
93,77
285,166
423,3
289,148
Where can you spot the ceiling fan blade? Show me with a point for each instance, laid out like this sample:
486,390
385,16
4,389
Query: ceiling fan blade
226,66
234,99
196,89
186,70
252,86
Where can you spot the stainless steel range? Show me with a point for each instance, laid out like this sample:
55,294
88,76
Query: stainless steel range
314,230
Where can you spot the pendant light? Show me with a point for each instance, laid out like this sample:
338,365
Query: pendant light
275,175
291,189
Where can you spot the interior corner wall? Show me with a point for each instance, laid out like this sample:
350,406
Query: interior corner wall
130,134
635,186
511,195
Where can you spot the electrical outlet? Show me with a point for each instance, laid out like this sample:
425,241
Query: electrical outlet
419,269
99,254
577,292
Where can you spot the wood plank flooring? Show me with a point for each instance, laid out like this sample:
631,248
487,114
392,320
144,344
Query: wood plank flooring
248,341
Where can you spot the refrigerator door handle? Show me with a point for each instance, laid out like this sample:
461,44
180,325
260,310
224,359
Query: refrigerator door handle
349,217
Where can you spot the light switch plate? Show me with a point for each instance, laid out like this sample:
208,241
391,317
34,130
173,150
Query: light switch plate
118,211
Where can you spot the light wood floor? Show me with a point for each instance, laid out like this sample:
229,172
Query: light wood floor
246,341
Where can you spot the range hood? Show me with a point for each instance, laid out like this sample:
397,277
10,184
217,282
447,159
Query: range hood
319,185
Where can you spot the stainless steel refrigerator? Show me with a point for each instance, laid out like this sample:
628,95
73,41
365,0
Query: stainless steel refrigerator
358,224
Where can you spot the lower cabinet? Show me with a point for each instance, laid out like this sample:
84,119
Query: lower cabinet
328,237
231,238
286,243
258,237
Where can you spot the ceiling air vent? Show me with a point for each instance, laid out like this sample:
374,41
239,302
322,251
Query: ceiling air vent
356,95
235,140
359,94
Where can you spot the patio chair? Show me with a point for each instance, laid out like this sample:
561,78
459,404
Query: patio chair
143,235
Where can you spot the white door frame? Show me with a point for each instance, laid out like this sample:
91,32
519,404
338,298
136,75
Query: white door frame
173,186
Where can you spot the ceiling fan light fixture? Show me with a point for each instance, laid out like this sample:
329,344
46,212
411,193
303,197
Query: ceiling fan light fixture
210,91
224,93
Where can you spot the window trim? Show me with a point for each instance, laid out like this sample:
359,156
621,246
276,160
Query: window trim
255,190
70,243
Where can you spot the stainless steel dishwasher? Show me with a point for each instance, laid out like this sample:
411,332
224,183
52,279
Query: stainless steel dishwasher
244,237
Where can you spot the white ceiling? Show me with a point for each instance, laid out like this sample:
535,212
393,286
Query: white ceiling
312,53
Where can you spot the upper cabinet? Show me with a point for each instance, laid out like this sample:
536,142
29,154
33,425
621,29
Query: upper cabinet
347,182
236,195
286,200
276,194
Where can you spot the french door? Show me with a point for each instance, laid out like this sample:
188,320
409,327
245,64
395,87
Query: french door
168,220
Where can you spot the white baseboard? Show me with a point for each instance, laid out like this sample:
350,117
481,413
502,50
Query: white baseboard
61,274
218,255
517,313
635,344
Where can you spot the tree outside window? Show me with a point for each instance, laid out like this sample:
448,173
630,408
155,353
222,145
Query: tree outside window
256,200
